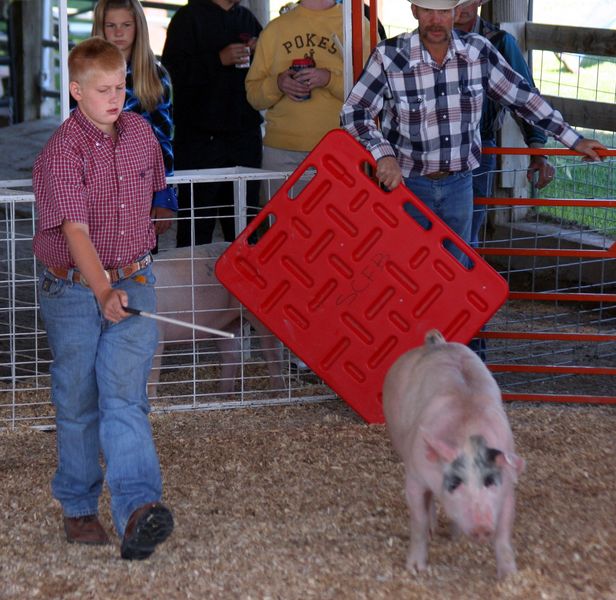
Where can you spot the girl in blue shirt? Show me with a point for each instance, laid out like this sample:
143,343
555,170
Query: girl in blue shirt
148,86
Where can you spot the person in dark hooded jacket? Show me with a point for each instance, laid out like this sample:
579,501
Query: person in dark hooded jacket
207,47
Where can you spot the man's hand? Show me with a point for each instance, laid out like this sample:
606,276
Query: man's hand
544,171
292,88
162,218
234,54
588,147
388,172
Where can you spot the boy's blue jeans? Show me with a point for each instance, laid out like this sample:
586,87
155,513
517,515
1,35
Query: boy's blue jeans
451,199
98,386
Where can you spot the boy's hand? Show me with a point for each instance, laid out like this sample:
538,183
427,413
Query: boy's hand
162,218
112,302
84,254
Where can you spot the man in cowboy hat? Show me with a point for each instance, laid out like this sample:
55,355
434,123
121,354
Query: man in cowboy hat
467,19
427,88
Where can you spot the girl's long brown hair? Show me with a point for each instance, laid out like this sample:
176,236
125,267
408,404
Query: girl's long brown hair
146,83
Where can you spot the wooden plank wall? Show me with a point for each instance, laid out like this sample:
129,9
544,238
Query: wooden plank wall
578,113
577,40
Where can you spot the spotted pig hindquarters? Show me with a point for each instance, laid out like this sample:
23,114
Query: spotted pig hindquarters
446,421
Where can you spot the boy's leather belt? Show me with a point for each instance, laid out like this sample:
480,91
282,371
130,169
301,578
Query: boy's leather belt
113,275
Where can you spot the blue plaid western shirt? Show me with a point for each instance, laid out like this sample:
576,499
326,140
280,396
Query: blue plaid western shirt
161,121
429,113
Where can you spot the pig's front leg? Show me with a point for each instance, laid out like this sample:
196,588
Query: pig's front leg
505,556
230,357
272,352
431,504
419,501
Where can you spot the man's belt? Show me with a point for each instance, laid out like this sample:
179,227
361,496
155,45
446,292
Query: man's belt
113,275
439,175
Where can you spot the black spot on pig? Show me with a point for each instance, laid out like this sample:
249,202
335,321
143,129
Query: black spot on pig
484,460
480,469
455,474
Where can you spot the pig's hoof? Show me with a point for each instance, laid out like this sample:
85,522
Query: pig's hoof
504,571
416,565
505,561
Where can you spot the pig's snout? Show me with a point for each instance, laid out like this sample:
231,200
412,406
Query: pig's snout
482,534
482,525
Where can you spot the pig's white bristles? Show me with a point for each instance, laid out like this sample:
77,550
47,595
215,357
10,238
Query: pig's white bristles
144,313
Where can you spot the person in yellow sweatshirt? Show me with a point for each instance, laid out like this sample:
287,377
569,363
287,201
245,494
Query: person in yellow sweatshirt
294,124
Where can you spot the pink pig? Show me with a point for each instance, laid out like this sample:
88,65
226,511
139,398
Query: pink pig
446,421
186,282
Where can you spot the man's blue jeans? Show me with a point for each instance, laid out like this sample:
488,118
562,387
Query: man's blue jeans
98,387
450,198
483,186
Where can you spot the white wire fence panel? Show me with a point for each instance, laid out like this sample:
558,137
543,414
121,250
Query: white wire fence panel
193,371
581,76
198,371
24,355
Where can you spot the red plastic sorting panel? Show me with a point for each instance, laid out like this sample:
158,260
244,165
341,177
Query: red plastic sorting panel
348,280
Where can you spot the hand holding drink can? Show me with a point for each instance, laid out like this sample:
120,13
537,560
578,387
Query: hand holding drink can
299,64
245,38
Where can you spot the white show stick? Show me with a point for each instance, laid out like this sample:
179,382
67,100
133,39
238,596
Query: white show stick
143,313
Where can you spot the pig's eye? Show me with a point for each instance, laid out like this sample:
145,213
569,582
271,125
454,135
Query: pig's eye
489,480
452,483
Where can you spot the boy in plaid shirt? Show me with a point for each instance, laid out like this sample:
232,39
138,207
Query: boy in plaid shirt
93,183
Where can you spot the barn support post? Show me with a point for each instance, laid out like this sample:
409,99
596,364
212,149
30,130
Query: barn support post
503,11
511,15
26,34
63,40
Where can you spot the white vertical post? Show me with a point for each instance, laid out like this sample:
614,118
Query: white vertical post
48,104
347,56
240,204
63,41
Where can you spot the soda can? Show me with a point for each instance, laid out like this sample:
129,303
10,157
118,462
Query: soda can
303,63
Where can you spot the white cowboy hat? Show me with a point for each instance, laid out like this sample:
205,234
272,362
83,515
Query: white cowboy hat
437,4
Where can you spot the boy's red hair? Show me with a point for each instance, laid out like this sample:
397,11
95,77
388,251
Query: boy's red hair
95,53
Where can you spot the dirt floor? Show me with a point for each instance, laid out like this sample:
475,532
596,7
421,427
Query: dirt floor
306,501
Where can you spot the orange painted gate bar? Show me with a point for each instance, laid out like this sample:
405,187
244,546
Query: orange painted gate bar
349,281
605,298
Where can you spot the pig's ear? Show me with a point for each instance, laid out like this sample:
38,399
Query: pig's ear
437,450
510,459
